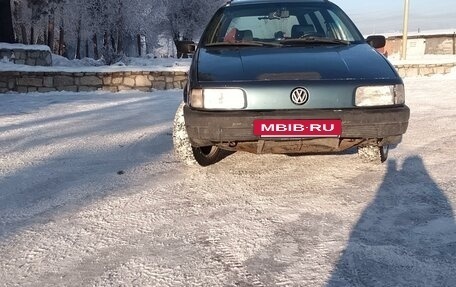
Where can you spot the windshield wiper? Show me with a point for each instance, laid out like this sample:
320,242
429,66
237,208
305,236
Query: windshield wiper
315,40
246,44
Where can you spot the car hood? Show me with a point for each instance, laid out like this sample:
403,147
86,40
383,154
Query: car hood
218,64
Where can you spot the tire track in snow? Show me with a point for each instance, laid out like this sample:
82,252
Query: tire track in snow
223,254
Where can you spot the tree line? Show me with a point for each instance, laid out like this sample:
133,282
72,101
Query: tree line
105,28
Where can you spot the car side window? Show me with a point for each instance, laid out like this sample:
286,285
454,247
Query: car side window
332,26
340,27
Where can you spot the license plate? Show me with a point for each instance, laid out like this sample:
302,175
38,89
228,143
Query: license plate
297,128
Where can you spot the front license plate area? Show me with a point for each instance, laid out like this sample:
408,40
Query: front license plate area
297,128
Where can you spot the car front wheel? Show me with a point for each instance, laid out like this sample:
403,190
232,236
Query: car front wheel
188,154
208,155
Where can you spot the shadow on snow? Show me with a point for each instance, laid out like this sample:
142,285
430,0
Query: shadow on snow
405,237
76,177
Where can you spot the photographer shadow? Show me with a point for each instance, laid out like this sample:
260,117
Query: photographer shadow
405,237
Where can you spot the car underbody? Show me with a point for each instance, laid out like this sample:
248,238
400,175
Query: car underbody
305,146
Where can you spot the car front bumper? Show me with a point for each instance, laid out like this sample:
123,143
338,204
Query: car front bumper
215,127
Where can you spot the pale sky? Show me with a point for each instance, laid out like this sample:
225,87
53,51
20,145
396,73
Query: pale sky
387,16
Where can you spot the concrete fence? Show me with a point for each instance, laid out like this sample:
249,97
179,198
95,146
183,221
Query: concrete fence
144,81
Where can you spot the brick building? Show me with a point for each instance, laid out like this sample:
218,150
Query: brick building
439,42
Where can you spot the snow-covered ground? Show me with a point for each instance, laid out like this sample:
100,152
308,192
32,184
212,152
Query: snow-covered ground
91,195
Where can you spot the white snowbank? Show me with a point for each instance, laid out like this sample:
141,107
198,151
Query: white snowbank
8,46
61,64
61,61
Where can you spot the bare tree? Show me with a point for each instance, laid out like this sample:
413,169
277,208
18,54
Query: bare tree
109,28
187,18
6,22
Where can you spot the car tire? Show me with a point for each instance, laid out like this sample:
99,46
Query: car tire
185,152
209,155
373,153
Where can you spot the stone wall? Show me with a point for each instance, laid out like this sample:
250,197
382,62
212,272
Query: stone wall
413,70
144,81
88,81
29,57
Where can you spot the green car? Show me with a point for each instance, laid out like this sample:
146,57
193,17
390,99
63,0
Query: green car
289,77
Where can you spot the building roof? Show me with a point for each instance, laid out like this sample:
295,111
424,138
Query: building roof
424,33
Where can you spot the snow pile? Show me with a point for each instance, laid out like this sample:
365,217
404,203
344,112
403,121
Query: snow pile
60,61
5,60
150,60
62,64
8,46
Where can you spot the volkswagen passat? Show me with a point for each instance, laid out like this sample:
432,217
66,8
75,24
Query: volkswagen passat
288,77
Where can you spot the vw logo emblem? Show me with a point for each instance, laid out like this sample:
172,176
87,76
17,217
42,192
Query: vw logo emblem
299,96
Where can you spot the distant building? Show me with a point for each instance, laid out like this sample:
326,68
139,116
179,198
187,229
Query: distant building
437,42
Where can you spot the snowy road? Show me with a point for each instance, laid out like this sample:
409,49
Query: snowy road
91,195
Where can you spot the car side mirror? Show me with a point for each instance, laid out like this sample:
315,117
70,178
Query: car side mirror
192,47
376,41
186,47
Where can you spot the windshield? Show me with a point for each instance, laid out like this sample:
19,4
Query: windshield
281,23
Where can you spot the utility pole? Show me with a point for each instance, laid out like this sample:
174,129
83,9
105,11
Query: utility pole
405,30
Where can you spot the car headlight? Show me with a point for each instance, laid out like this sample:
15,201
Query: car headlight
215,99
380,95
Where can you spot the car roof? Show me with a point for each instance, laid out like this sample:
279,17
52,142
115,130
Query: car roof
243,2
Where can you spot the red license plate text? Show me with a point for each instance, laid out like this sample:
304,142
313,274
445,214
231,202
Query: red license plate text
297,128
